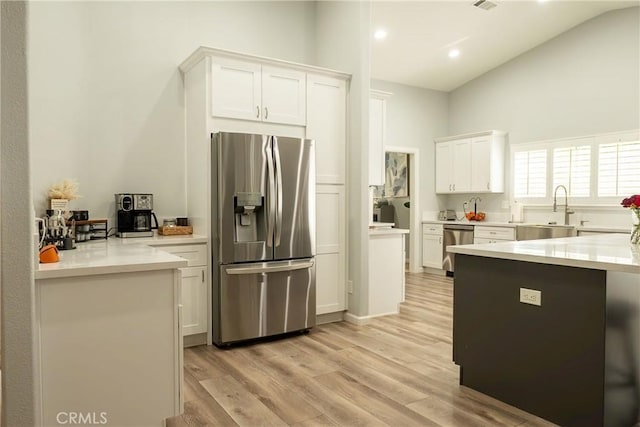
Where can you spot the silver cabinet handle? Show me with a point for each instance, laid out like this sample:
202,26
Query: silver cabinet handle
488,186
203,275
439,239
257,111
266,113
449,187
454,187
270,267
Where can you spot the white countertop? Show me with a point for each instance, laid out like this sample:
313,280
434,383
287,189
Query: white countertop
593,228
158,240
387,231
611,252
376,224
115,255
465,222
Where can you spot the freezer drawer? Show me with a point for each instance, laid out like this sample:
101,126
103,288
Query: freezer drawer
263,299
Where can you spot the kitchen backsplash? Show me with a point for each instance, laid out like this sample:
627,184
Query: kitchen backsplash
608,216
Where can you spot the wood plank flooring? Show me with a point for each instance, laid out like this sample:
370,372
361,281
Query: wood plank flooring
394,371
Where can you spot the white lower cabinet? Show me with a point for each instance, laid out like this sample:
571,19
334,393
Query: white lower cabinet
330,249
432,245
195,282
107,340
386,273
493,234
194,300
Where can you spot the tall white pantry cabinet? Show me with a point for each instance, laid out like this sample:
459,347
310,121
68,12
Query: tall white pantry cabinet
232,92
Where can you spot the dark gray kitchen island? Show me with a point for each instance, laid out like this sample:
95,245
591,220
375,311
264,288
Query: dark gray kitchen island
552,327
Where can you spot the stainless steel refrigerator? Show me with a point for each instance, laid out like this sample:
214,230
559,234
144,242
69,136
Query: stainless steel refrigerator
263,236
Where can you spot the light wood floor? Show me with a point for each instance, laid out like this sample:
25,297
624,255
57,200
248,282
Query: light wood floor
396,371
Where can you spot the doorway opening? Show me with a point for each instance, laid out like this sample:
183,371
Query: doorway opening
402,191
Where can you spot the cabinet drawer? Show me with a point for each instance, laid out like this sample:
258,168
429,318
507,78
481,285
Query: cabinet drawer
494,233
194,254
432,229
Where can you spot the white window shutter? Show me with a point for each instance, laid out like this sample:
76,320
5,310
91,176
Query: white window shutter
530,173
572,168
618,170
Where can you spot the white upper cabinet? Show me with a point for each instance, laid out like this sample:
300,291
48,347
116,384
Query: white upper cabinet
236,88
377,135
251,91
470,163
461,165
487,166
327,125
283,95
444,180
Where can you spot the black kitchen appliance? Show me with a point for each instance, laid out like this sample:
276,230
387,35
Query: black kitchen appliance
135,212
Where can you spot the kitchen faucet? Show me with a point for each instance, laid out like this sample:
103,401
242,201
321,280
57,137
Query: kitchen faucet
567,211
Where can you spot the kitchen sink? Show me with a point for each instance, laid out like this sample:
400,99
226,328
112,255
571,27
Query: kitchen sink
544,231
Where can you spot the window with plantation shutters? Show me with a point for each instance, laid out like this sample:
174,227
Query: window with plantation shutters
595,169
572,168
530,173
618,170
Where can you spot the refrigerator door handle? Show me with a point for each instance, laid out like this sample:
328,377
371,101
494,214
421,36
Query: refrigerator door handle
268,267
276,152
271,215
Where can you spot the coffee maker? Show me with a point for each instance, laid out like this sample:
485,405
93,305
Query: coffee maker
134,215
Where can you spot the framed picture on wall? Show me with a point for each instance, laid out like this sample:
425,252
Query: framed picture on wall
396,183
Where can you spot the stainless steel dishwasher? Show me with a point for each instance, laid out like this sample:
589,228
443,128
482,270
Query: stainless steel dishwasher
454,234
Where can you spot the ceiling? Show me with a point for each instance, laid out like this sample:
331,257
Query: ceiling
421,33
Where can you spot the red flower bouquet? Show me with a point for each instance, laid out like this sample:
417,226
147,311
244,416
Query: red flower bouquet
633,203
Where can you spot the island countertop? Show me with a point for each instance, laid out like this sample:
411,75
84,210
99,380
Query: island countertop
114,255
610,252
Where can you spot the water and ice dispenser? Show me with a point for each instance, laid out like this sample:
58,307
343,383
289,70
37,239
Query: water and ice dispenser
248,216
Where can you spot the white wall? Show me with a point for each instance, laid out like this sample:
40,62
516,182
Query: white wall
106,95
342,43
415,117
585,81
19,400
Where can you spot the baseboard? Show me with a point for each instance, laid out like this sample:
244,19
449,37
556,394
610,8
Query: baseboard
194,340
363,320
436,271
338,316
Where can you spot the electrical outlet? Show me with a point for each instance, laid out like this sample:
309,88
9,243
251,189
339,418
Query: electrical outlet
530,296
350,286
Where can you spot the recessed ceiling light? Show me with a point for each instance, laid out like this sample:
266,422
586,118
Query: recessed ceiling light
454,53
380,34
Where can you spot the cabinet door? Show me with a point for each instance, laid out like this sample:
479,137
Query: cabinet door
330,249
432,251
326,124
481,164
444,182
461,165
194,300
284,96
478,240
377,113
235,89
